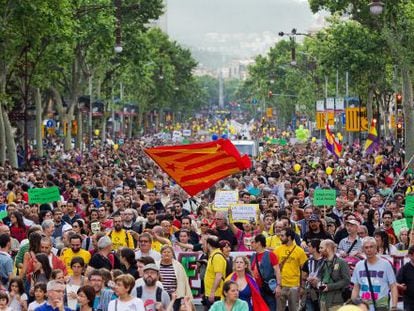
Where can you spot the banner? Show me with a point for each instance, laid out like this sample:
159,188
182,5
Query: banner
324,197
44,195
243,213
225,199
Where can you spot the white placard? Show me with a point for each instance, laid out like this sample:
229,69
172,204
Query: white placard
225,199
187,133
176,134
243,213
72,303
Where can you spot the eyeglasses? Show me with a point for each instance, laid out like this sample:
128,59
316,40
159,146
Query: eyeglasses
144,241
204,225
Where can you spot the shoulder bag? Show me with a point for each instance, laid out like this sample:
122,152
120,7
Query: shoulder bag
371,289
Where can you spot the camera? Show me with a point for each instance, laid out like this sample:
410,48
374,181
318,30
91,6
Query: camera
321,286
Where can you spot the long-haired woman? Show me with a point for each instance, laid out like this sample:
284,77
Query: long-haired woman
248,289
18,229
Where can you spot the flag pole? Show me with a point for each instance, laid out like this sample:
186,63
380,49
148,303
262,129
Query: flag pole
398,180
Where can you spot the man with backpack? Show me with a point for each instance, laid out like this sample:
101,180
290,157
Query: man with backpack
119,236
266,272
150,293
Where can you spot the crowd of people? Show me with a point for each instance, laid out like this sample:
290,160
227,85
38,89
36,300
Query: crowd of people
113,240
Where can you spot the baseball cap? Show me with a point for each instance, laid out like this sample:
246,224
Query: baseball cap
314,217
353,222
151,266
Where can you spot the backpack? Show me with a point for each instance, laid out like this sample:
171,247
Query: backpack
158,293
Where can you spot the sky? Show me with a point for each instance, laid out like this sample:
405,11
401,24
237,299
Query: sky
206,23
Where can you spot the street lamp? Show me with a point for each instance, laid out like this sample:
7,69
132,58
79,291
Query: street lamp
118,48
376,7
292,38
118,31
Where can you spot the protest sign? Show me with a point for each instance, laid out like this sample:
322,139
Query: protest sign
398,225
225,199
3,211
43,195
324,197
409,206
243,213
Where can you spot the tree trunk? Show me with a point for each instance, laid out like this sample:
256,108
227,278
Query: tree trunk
103,128
408,114
10,143
2,137
65,116
79,136
369,104
39,139
130,123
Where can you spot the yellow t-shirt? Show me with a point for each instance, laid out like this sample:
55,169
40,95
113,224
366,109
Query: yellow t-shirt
290,271
121,239
215,264
68,255
156,245
11,197
273,242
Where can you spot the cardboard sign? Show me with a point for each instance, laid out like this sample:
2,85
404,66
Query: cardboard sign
44,195
243,213
225,199
409,206
399,224
324,197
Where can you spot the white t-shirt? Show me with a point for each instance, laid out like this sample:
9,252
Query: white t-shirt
135,304
151,253
382,276
15,305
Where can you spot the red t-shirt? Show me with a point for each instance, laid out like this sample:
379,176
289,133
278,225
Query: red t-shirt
273,260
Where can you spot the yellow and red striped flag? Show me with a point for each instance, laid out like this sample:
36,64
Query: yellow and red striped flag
197,167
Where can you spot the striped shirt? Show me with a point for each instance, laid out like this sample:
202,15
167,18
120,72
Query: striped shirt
168,278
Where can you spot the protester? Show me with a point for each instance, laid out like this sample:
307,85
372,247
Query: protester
405,280
266,271
249,291
123,287
231,299
55,293
374,271
333,278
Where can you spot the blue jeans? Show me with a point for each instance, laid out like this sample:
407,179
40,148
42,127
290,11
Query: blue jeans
269,299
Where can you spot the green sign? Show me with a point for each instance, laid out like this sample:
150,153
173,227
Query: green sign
324,197
409,206
399,224
44,195
276,141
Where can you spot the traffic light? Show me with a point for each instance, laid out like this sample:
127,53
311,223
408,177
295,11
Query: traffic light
74,129
270,94
399,130
65,128
398,100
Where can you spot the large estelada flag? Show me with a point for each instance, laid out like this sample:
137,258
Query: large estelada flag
196,167
331,144
372,141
